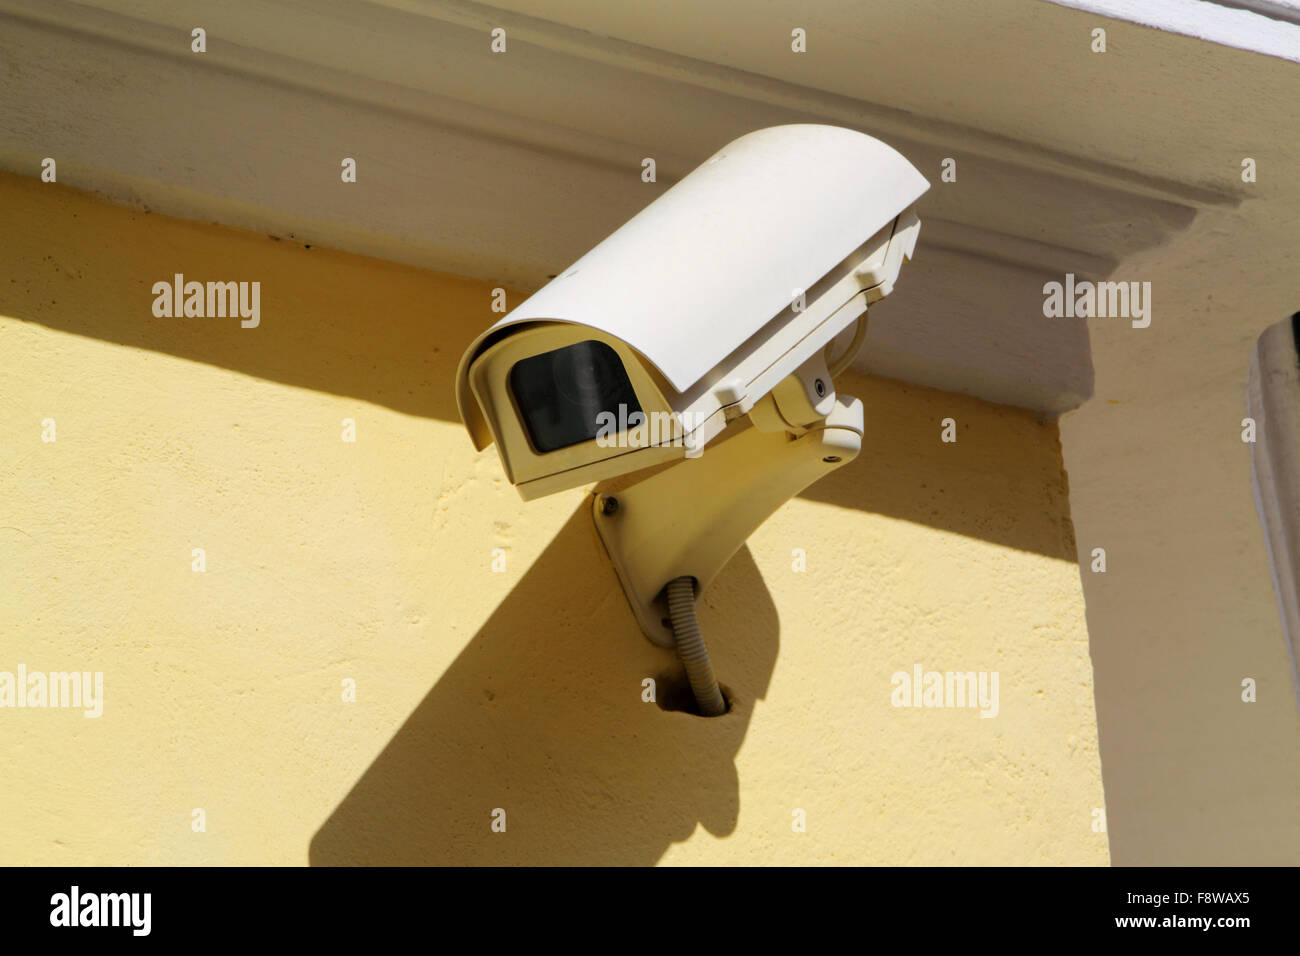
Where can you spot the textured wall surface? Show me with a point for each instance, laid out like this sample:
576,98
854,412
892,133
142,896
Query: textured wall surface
329,561
1187,610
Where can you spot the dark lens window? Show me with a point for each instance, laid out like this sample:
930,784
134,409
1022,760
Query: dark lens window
561,393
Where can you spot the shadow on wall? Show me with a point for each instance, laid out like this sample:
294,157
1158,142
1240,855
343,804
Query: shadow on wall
542,716
393,335
329,321
999,482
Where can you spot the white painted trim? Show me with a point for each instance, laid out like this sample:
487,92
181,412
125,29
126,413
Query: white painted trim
1270,28
460,173
1288,10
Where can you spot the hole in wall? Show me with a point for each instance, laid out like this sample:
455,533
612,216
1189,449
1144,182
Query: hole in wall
673,694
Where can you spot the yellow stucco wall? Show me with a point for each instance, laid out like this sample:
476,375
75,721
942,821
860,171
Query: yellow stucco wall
371,561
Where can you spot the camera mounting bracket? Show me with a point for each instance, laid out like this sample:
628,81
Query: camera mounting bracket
690,517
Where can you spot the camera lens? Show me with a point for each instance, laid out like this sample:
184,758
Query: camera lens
562,393
588,373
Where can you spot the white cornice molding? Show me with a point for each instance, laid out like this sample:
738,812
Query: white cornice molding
829,107
1268,27
508,170
276,56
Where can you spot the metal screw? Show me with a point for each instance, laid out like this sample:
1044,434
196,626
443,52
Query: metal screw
831,459
820,387
609,505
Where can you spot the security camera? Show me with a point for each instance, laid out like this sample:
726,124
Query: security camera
709,326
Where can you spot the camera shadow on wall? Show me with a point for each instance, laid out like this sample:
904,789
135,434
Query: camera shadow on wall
542,720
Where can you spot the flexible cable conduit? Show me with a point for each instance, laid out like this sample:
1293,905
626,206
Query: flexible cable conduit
690,647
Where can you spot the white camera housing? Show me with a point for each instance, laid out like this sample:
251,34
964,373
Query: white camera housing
735,279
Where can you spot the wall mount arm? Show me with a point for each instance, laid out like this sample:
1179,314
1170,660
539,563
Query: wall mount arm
688,519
